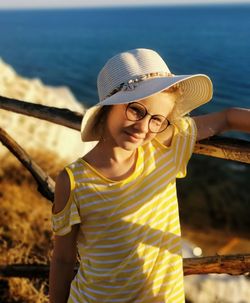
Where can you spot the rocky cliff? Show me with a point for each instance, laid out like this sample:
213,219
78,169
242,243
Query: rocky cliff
31,133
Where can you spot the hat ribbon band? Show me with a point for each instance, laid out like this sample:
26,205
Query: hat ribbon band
133,83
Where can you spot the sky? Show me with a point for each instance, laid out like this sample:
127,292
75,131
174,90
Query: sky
10,4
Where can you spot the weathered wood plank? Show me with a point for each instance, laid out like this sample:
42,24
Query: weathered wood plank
46,184
225,148
61,116
226,264
233,149
220,147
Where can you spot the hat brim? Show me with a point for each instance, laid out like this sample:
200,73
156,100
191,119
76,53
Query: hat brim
197,90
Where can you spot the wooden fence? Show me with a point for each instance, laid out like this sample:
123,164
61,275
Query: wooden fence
231,149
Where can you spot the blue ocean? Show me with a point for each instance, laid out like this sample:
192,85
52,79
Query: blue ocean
69,46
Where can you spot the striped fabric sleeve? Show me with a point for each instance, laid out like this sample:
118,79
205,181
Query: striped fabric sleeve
183,144
69,215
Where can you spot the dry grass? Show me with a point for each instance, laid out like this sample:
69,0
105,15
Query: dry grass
25,231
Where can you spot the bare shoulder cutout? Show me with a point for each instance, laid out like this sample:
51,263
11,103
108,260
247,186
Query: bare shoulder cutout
62,191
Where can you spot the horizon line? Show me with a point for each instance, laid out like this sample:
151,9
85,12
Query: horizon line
124,5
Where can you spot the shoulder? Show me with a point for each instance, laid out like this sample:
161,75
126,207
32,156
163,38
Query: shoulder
185,129
62,191
181,128
62,180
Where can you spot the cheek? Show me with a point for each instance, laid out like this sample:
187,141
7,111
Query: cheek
115,119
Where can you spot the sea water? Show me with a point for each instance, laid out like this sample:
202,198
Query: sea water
69,46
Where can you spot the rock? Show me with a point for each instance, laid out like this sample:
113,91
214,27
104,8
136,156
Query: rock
215,288
34,134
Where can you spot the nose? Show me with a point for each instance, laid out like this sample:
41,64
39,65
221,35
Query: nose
143,124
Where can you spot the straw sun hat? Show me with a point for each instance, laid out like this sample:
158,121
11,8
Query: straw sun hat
137,74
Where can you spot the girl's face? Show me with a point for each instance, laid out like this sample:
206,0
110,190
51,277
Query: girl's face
130,134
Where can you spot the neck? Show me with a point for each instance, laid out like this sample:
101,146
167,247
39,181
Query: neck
115,163
113,154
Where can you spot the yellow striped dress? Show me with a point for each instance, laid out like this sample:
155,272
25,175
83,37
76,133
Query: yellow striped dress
129,238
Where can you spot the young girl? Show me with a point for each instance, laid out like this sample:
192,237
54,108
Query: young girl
117,205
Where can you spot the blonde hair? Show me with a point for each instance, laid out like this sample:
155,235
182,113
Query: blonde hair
101,119
177,91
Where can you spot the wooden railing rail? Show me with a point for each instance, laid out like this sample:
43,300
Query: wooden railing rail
226,148
46,185
237,150
61,116
229,264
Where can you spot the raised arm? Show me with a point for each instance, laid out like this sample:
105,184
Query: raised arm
65,252
228,119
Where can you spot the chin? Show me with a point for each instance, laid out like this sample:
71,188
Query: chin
129,146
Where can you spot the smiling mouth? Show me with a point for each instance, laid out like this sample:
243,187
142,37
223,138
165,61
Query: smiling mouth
134,136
